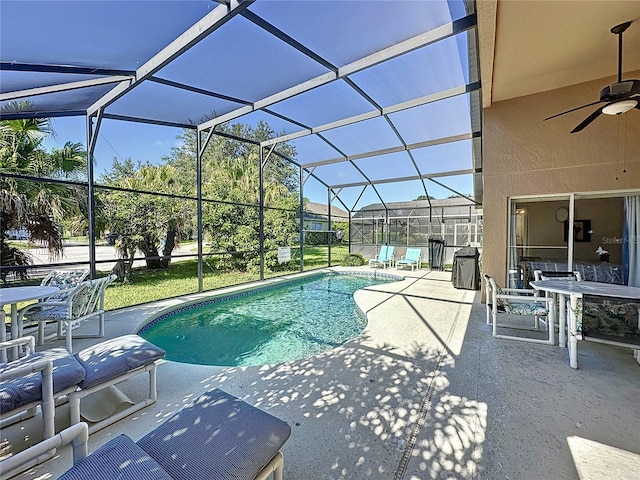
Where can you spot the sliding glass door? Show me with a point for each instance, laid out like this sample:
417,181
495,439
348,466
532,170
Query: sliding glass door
574,232
537,235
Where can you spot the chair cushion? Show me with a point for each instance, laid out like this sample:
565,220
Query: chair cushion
619,321
115,357
528,309
47,313
218,437
118,459
21,391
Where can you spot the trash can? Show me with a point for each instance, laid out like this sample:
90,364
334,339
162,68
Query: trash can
465,273
436,253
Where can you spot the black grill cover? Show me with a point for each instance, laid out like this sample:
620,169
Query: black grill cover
436,253
465,273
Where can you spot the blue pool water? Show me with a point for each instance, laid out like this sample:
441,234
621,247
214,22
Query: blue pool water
273,325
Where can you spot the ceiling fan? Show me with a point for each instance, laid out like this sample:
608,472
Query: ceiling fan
619,97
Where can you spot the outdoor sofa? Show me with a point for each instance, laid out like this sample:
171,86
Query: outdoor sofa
217,437
37,379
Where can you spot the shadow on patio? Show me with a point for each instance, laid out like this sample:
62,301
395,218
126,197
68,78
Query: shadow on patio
424,393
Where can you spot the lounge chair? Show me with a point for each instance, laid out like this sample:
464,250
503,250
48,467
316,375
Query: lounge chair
412,258
217,437
93,369
384,258
69,309
19,401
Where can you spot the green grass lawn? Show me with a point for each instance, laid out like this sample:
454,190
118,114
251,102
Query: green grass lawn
181,278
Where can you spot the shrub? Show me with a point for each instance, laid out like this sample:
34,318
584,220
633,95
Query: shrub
353,260
319,238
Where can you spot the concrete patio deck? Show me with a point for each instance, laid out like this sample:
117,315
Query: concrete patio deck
424,393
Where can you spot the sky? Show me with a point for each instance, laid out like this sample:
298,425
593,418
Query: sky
422,72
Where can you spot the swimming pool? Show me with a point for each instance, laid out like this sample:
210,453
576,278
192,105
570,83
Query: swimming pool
268,325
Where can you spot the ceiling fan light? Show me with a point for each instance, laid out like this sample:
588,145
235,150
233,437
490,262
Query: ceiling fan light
620,107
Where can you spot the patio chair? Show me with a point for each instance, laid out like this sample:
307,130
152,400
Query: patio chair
384,258
520,302
82,303
217,437
73,377
412,258
603,319
561,299
64,280
553,275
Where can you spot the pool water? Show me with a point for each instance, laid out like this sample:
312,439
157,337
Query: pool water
279,324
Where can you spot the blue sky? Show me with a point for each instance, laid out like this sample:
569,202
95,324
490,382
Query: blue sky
117,139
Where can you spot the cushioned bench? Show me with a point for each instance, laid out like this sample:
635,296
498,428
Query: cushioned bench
93,369
218,437
111,362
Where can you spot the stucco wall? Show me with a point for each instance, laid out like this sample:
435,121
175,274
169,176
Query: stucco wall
524,155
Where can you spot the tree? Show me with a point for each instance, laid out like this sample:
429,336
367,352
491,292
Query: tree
145,222
34,206
235,226
231,180
231,193
424,197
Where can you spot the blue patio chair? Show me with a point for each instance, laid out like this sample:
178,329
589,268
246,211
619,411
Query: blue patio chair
381,254
384,258
412,258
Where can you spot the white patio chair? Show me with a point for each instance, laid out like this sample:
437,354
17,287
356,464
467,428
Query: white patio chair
552,275
520,302
560,299
82,303
64,279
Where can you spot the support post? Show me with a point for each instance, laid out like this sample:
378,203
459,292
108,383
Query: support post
301,219
329,226
199,151
92,135
261,215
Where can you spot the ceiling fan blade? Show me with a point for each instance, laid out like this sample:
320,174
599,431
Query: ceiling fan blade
574,109
588,120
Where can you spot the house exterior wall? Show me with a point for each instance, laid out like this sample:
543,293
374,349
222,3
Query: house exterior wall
524,155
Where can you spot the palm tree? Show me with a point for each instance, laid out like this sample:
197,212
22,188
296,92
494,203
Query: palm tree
34,206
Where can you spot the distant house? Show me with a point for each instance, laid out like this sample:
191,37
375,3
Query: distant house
316,217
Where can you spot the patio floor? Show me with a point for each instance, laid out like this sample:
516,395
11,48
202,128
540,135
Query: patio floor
425,392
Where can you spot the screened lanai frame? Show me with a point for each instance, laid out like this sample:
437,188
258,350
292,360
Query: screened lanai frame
366,71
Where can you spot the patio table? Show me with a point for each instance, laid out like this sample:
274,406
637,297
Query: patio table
14,295
561,289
